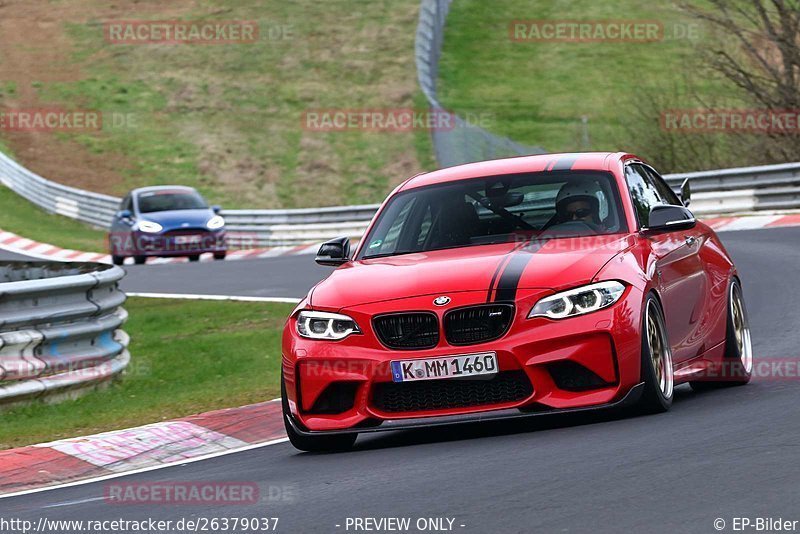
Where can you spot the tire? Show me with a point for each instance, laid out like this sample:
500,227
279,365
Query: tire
139,260
194,257
332,443
220,255
117,260
737,361
657,370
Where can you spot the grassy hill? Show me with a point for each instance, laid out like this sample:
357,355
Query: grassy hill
223,117
538,92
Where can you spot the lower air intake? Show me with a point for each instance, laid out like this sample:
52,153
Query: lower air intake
425,395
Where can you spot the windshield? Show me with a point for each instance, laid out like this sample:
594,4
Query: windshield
170,200
497,209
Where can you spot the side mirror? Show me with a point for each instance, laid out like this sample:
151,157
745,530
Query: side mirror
686,193
124,214
668,218
334,252
216,209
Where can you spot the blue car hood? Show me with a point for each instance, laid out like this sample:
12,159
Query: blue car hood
177,219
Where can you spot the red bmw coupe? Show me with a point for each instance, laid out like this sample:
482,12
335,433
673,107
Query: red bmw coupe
509,289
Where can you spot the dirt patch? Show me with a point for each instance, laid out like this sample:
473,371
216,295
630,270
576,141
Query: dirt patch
224,119
35,51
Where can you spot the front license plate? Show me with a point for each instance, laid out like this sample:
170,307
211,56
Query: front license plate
187,239
482,363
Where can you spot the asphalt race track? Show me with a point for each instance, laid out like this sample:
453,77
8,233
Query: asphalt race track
282,276
722,454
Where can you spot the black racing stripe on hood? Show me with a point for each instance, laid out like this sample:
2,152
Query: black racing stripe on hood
499,268
509,280
565,163
494,276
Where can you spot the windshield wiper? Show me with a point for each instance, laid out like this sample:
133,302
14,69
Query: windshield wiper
387,254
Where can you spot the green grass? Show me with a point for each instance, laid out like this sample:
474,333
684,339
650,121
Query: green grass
21,217
537,92
227,118
187,357
4,149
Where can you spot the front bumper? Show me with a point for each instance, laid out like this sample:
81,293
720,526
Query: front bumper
607,343
630,399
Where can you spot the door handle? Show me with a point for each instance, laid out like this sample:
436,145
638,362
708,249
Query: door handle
691,241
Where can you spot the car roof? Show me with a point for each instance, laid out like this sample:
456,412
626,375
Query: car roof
599,161
148,189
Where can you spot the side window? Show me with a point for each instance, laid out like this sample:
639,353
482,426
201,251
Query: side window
643,193
126,204
664,190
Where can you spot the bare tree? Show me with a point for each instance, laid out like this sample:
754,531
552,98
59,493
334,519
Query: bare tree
757,49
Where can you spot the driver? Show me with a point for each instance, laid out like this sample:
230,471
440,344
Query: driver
579,201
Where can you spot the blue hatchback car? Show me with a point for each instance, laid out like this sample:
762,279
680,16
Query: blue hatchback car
166,221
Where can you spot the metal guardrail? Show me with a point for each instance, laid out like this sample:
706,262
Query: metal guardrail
264,228
747,189
86,206
744,189
60,328
246,227
464,142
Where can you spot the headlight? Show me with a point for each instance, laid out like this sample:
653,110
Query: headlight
578,301
149,227
216,222
323,325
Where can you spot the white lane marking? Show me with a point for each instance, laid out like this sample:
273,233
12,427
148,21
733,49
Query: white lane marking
145,469
189,296
73,503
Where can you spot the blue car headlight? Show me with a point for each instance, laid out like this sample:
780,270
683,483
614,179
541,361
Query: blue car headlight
579,301
215,223
149,227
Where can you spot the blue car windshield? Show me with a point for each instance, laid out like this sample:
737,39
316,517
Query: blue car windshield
153,201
